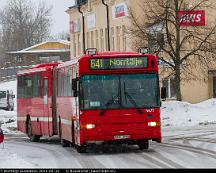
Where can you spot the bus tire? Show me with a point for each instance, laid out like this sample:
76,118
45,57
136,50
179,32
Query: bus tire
143,145
33,138
63,142
81,149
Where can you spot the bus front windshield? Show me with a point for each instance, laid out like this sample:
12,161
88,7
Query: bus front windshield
2,94
119,91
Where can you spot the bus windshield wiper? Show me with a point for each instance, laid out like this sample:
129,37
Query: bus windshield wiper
131,99
109,103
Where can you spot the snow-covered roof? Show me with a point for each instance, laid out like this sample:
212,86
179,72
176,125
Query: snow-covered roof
33,50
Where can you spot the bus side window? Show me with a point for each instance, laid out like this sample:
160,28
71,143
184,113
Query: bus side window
20,87
35,92
27,86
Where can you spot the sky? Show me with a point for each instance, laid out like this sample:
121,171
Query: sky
59,17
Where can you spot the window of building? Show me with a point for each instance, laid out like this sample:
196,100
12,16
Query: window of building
79,45
124,38
97,39
19,58
106,38
118,36
169,84
101,40
88,40
92,39
112,39
74,45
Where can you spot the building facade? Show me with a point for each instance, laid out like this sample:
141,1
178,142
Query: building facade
103,24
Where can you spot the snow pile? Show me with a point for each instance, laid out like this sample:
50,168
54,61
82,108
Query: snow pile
12,160
8,121
183,114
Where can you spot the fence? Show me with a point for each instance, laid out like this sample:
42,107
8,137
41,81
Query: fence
9,73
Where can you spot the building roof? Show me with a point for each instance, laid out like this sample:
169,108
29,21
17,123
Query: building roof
57,46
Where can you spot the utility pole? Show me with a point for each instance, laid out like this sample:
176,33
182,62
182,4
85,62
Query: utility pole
83,28
108,24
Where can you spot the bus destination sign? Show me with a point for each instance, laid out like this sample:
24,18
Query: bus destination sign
118,63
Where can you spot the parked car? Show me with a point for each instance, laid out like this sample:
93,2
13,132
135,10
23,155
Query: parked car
1,136
7,100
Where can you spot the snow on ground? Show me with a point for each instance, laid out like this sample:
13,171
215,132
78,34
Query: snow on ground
12,160
173,115
183,114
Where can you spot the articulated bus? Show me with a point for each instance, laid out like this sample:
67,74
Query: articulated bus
106,97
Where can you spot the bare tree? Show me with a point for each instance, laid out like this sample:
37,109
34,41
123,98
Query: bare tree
24,24
61,35
181,48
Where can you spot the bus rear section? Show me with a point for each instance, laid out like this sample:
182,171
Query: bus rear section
36,101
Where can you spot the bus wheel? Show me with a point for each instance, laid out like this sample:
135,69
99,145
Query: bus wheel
143,145
81,149
33,138
64,143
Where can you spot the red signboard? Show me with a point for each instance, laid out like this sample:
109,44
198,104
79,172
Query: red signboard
192,18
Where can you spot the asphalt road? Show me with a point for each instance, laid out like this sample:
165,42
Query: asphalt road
187,148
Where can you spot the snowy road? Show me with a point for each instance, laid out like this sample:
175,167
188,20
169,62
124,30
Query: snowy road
188,148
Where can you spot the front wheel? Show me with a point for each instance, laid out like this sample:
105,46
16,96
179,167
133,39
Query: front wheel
33,138
143,145
81,149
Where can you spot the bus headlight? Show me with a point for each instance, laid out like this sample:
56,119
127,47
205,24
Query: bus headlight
154,124
90,126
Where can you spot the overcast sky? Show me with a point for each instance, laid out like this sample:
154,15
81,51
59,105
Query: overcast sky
59,17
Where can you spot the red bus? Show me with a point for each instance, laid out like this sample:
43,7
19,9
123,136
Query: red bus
107,97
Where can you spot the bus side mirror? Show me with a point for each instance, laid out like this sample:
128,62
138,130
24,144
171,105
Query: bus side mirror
74,87
163,93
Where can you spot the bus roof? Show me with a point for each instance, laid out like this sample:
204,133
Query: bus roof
68,63
116,53
39,68
113,54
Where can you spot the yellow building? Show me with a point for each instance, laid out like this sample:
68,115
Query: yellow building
90,26
48,51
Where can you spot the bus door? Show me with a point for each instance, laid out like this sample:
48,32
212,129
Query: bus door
47,117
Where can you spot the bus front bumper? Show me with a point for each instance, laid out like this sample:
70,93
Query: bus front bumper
154,135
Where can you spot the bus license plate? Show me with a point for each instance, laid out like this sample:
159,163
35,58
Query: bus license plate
122,137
